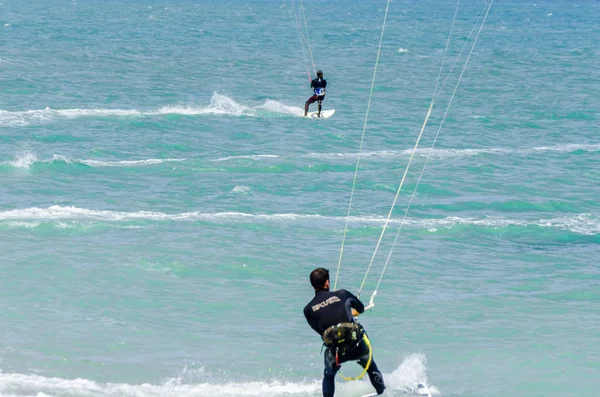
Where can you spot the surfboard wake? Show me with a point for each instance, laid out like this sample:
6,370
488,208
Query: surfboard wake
325,114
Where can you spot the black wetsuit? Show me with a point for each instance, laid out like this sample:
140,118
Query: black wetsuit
317,83
318,86
330,308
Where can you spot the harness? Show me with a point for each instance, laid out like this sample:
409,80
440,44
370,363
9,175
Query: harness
319,91
345,337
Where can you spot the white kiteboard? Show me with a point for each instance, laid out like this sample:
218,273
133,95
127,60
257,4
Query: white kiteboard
325,114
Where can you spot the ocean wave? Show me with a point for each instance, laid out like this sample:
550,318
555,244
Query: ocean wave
566,148
34,385
250,156
585,224
448,152
241,189
26,160
405,378
127,163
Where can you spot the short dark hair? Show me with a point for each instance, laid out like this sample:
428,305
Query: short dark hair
319,277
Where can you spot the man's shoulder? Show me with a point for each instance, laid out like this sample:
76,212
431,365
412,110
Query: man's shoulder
346,294
308,308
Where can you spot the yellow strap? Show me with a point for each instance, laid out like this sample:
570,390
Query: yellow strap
368,362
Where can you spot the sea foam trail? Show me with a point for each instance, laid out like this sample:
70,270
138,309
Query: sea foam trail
427,152
219,104
405,379
447,153
586,224
250,157
276,107
41,116
27,159
24,160
127,163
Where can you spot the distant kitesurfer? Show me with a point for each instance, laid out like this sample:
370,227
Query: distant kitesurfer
318,85
331,315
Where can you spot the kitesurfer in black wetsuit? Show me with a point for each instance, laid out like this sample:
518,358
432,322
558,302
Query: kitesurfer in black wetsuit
318,85
329,310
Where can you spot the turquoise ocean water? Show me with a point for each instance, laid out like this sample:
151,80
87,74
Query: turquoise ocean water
162,204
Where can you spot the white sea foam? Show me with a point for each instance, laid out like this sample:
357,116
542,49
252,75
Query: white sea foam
38,116
391,154
586,224
27,159
31,385
447,152
75,113
250,156
57,212
23,160
59,158
241,189
219,104
405,378
277,107
566,148
411,376
428,152
26,225
127,163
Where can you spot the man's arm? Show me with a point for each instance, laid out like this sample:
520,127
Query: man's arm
369,306
355,303
311,321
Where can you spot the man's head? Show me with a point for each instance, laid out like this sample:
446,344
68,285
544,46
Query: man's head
320,74
319,279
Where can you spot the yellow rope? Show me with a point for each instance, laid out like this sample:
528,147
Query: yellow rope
366,366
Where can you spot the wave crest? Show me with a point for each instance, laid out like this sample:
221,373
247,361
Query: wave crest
27,159
585,224
405,378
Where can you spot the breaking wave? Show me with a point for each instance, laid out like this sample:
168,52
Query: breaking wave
406,378
585,224
446,153
27,159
